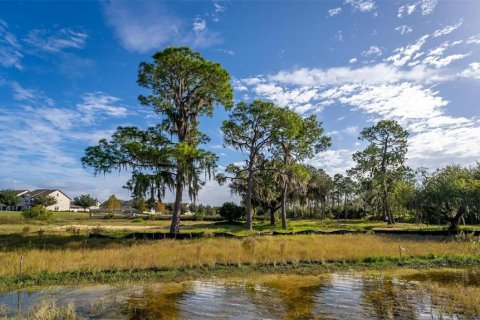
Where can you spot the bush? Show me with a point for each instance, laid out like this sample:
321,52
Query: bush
231,212
198,216
37,212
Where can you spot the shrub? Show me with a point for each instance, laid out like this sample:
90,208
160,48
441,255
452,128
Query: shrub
37,212
26,229
198,216
231,212
109,215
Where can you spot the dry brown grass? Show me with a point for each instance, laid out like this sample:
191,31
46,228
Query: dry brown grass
172,254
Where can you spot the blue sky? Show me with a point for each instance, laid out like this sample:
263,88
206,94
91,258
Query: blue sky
68,77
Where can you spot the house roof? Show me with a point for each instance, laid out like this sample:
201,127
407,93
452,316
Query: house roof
20,192
43,192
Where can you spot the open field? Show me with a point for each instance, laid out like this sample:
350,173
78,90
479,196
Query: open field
12,222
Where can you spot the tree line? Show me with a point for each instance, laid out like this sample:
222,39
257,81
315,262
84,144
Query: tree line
181,86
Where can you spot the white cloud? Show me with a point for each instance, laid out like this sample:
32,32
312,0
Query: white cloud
438,62
375,74
339,35
372,51
404,29
404,54
446,30
333,161
334,11
29,95
362,5
56,41
473,71
37,151
426,7
99,104
145,26
10,49
218,7
406,9
474,39
229,52
353,60
199,25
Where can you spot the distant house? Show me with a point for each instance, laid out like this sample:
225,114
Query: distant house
18,207
27,200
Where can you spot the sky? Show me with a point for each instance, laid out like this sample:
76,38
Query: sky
68,75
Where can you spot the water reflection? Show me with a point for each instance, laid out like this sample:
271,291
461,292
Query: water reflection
335,296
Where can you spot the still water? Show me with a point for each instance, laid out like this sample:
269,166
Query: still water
401,295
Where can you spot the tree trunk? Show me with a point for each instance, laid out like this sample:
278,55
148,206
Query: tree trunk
272,216
386,207
248,205
345,207
177,206
284,205
455,220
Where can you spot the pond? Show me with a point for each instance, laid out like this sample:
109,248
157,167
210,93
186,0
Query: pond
405,294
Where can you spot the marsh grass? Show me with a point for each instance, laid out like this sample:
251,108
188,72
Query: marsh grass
171,254
46,311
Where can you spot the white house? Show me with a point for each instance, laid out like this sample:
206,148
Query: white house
63,201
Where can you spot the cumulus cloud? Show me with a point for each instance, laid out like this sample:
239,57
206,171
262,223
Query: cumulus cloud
334,11
353,60
382,91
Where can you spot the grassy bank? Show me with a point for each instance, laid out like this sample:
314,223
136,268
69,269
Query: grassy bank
170,258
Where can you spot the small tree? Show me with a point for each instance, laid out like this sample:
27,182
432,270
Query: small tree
9,197
37,212
140,205
295,140
85,201
231,211
250,129
113,203
45,201
382,163
160,208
